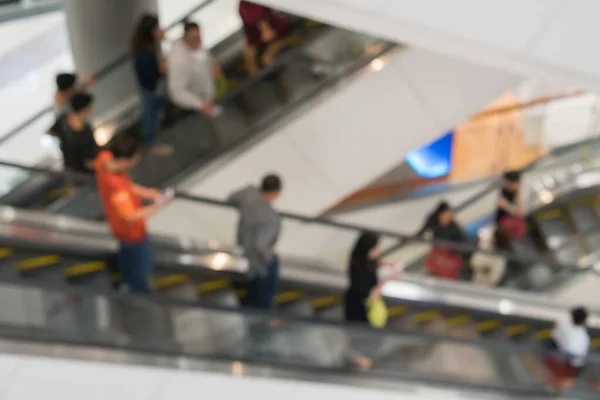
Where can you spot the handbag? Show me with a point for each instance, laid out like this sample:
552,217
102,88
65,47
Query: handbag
377,312
444,263
515,227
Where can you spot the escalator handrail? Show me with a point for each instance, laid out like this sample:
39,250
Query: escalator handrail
463,247
105,71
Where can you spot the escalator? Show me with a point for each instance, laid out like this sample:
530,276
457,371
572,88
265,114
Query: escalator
251,106
33,250
426,341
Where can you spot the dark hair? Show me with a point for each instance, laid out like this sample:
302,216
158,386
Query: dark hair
270,184
65,81
442,207
124,146
579,315
502,240
80,100
359,258
143,36
512,176
189,25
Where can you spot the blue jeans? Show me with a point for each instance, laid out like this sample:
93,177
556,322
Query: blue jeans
135,263
152,106
262,289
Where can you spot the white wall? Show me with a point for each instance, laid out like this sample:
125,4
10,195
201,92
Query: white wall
25,378
552,38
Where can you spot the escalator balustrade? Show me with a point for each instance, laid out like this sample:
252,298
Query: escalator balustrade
293,297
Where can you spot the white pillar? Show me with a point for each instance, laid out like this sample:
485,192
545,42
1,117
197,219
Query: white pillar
100,32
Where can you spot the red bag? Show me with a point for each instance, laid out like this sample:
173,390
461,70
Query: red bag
515,227
443,263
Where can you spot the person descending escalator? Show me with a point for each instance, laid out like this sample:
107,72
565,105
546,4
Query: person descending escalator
265,30
443,261
365,287
67,86
568,348
259,226
509,214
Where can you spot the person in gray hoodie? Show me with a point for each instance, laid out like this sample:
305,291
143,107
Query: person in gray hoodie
258,230
192,73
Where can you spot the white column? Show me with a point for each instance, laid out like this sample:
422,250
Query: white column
100,32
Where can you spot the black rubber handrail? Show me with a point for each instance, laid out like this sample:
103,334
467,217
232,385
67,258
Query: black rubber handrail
118,62
461,247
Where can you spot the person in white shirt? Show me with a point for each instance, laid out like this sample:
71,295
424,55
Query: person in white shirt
192,73
571,340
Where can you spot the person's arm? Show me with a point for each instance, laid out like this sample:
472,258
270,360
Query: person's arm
507,206
124,206
90,153
216,69
263,240
177,83
146,193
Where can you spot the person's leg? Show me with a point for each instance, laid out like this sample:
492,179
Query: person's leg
150,114
252,292
269,285
141,268
123,262
250,54
271,50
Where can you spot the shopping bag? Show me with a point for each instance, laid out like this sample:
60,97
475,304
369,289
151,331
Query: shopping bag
377,312
515,227
444,263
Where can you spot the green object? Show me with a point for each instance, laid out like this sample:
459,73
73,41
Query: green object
222,85
377,312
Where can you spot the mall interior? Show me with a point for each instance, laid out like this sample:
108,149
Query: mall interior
372,113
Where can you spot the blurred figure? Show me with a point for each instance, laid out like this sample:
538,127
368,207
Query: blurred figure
258,231
125,212
570,344
364,284
442,225
150,68
76,135
509,204
192,73
265,31
66,86
491,269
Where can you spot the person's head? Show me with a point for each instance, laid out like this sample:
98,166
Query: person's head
66,83
512,180
125,150
579,316
444,214
271,187
81,103
147,33
365,249
191,35
501,240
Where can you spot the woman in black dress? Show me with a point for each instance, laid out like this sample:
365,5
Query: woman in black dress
364,283
362,271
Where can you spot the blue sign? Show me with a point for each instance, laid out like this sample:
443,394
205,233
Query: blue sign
434,159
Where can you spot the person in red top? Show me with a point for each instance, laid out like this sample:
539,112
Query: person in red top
125,211
265,31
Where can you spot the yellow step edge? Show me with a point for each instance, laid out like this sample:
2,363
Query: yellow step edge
425,316
38,262
6,252
458,320
515,330
241,293
287,297
211,286
170,280
327,301
85,268
487,325
115,276
394,311
543,334
549,214
595,343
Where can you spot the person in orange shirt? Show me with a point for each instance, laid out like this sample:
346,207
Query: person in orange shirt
125,211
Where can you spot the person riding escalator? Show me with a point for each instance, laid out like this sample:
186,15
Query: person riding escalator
443,261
